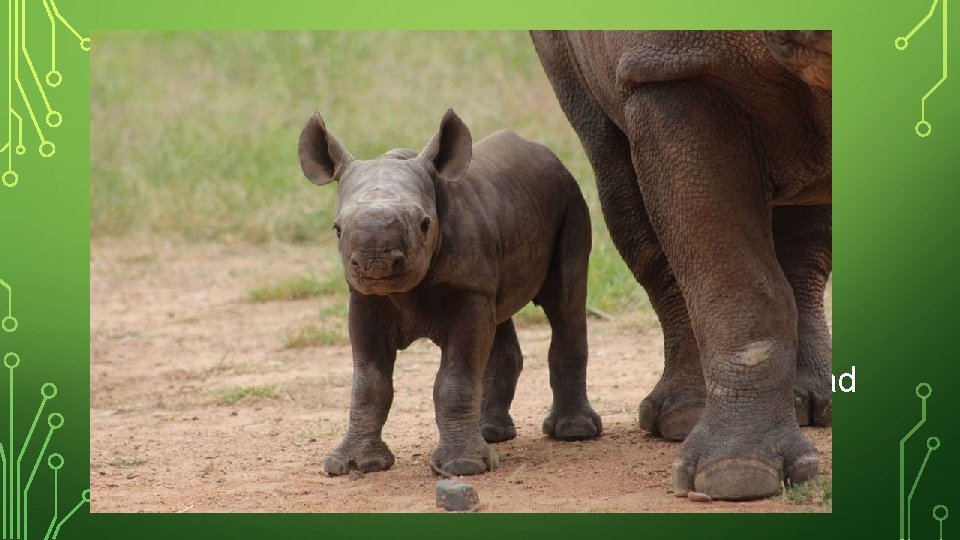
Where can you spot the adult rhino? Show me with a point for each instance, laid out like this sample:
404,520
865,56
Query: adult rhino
712,155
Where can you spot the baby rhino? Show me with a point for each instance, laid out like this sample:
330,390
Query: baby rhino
449,244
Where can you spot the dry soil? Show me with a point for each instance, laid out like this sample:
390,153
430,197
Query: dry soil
176,347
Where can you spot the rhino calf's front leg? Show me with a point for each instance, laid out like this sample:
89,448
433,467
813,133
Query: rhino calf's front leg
465,349
372,392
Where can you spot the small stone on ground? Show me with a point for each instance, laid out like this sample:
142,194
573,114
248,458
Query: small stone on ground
455,496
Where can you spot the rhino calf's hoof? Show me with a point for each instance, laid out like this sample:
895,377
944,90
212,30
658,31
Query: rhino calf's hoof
576,426
364,457
464,461
498,430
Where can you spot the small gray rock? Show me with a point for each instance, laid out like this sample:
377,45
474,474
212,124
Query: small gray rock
455,496
355,475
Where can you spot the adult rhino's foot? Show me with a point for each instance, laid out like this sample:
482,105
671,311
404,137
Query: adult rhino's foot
572,423
738,463
673,408
364,455
813,398
464,459
497,428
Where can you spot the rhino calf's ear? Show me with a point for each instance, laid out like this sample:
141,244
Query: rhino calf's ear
321,155
451,149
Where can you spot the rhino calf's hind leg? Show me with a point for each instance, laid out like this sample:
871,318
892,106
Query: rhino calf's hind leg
564,300
500,385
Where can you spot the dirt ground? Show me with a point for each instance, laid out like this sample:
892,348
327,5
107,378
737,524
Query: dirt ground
173,336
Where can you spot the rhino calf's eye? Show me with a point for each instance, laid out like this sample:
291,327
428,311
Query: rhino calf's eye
425,225
337,228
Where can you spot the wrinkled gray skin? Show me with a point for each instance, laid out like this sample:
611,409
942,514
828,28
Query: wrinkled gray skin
449,244
712,154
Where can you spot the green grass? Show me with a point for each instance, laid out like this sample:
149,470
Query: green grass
817,492
125,462
529,315
242,394
207,152
330,328
317,335
298,288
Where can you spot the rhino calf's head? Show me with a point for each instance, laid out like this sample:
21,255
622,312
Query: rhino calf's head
386,221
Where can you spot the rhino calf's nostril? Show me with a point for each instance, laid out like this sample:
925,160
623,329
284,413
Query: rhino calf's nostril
397,260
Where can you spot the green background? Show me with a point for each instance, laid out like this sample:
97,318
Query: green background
895,290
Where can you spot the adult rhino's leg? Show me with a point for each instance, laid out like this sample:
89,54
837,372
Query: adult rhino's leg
676,402
500,385
372,393
674,405
708,200
804,247
465,349
564,300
